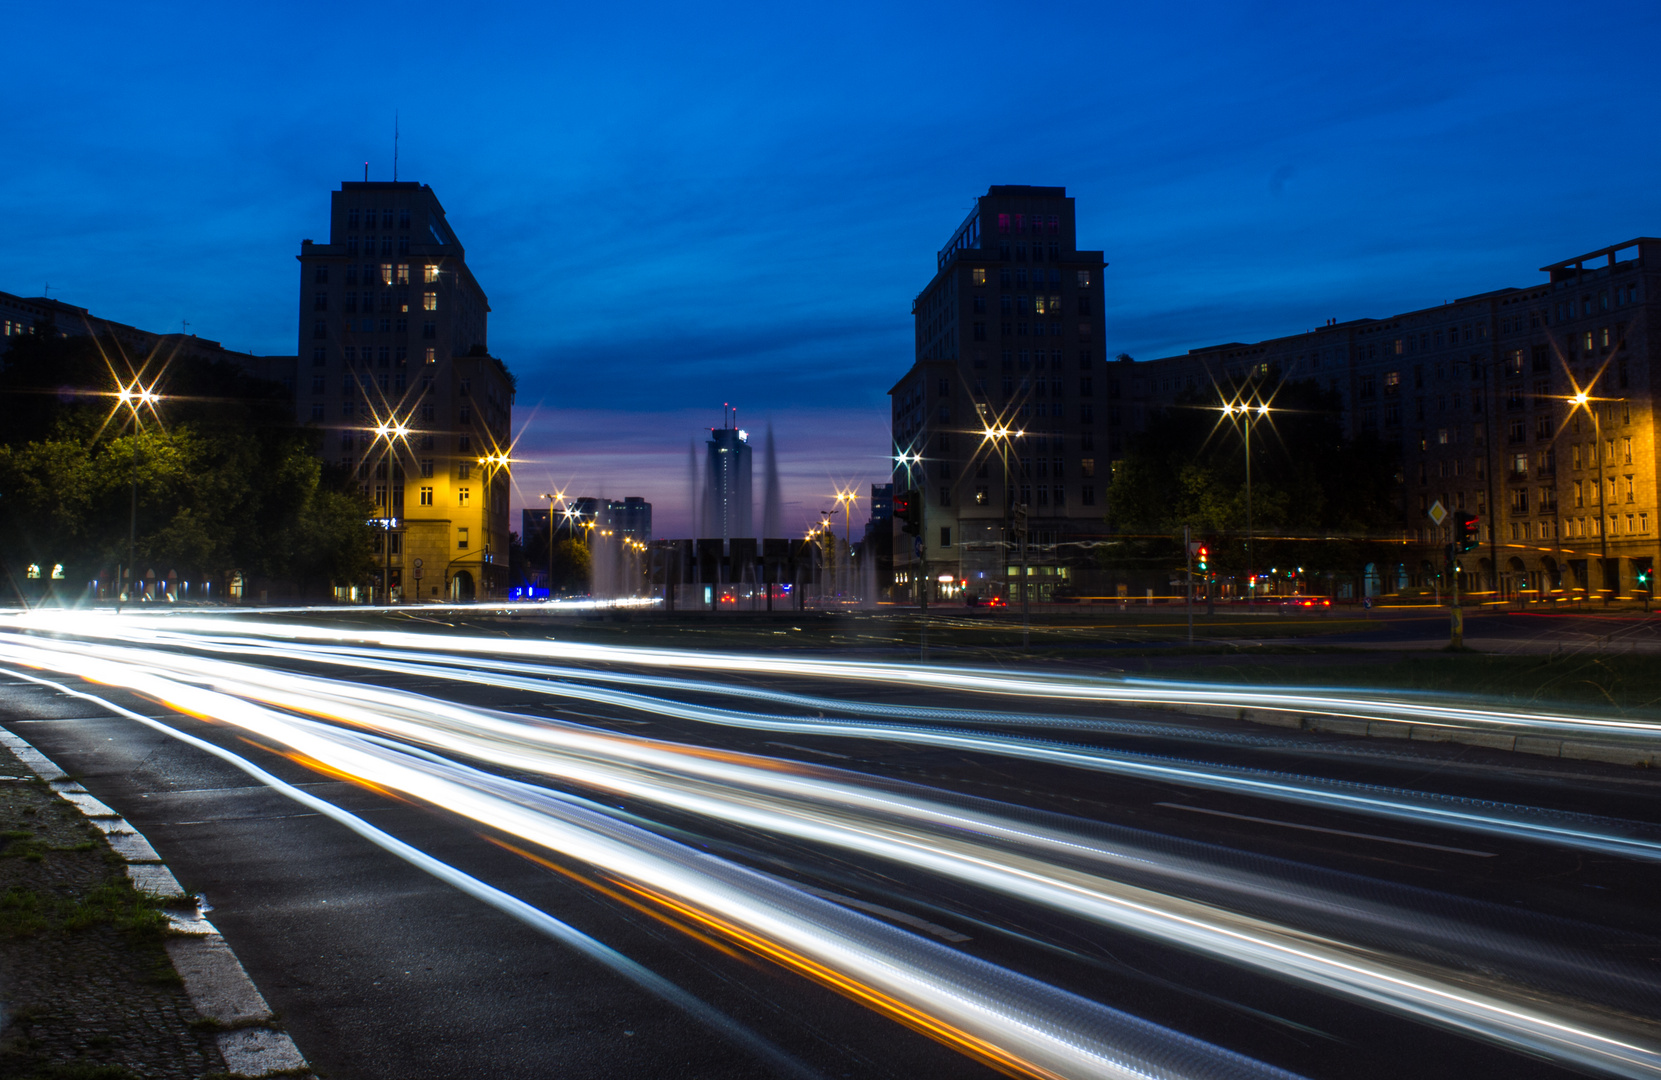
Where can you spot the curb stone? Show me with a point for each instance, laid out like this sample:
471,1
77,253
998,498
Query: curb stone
1610,753
214,979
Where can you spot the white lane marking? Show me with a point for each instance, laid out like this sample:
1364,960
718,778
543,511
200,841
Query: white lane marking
1334,832
944,933
808,750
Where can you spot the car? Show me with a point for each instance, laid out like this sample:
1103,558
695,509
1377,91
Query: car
1304,603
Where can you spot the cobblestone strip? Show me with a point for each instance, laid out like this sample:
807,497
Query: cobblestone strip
213,978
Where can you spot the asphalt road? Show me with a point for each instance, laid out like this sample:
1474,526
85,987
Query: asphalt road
380,969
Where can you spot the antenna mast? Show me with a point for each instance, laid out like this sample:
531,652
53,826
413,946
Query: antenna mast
394,146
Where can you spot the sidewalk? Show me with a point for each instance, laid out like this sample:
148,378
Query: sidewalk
108,970
85,978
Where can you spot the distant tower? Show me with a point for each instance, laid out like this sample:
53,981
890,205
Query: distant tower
727,506
771,498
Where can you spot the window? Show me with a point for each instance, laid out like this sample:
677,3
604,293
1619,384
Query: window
317,410
320,330
319,357
463,494
1003,223
1087,495
465,444
429,301
945,536
466,468
429,330
426,467
465,415
461,539
1084,279
429,274
432,355
428,413
978,276
386,273
945,496
320,275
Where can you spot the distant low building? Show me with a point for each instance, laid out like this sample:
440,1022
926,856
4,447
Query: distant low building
20,315
1475,393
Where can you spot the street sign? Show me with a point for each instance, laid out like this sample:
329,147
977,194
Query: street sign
417,573
1437,512
418,564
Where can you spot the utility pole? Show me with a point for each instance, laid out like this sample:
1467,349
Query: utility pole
1026,583
1188,559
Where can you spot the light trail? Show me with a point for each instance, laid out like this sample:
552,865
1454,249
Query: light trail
976,849
1383,707
1017,1024
1512,822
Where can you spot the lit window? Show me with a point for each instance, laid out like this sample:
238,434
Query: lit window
429,301
978,275
386,273
426,495
403,273
432,356
461,539
1084,279
462,496
429,273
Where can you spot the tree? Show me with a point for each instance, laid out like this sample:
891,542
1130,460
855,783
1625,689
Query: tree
1319,500
573,565
225,481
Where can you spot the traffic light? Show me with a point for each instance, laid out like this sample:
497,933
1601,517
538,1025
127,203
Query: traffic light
1464,532
909,509
1203,555
1644,577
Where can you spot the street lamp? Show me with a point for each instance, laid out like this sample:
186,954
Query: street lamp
999,434
393,431
555,497
1249,413
134,396
1583,400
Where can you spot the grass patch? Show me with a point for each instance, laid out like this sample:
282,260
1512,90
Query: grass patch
1625,684
114,903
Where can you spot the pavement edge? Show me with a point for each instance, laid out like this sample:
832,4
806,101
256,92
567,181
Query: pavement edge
214,978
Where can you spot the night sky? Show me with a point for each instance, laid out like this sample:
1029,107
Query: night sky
677,206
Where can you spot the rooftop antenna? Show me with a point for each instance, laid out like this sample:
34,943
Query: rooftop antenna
394,146
48,291
366,172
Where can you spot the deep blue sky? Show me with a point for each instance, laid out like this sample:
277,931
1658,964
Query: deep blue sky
675,206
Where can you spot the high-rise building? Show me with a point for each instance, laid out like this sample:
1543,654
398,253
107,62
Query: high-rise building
633,518
996,421
394,363
1477,394
728,506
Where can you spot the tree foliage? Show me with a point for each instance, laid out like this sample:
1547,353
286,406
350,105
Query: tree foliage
1318,499
224,481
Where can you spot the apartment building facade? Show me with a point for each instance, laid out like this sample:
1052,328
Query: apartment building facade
1531,407
394,363
996,423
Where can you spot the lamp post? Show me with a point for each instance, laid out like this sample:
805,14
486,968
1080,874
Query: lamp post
134,396
999,435
555,497
1245,410
393,431
1583,400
